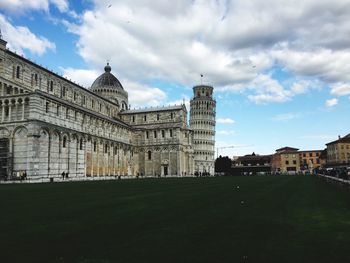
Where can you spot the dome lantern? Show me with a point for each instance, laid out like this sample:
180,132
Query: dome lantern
108,68
107,80
109,87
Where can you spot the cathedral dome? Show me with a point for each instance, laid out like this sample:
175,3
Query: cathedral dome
107,79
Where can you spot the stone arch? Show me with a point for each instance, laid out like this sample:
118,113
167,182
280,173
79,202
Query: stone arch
44,149
124,105
55,153
4,133
73,155
20,149
64,152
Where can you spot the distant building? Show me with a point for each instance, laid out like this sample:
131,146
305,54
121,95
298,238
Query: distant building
251,164
310,160
291,160
338,152
286,160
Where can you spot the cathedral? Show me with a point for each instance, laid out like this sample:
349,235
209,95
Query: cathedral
50,125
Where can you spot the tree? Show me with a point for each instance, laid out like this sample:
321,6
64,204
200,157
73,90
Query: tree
223,165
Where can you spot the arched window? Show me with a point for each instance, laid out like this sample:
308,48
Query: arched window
124,105
18,72
64,143
6,111
95,146
81,144
149,153
158,117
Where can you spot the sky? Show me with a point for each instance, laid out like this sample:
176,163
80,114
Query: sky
280,68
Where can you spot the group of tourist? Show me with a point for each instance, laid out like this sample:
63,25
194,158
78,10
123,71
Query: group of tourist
201,174
64,175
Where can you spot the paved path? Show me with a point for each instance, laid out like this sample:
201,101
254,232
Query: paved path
35,180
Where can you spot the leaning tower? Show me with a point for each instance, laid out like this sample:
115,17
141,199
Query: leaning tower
202,122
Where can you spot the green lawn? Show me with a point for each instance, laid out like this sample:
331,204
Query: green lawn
281,219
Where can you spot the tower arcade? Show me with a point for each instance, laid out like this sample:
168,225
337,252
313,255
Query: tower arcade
202,122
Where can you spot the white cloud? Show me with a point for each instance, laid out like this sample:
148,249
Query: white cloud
185,100
20,37
62,5
323,63
19,6
285,117
268,89
174,47
139,95
225,132
302,87
340,89
143,95
148,40
24,5
331,102
265,89
225,121
84,77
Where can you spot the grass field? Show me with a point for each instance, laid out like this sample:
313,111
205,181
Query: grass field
281,219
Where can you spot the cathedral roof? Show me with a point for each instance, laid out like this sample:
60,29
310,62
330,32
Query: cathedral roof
107,79
153,109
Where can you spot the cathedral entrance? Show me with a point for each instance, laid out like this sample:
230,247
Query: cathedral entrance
4,158
165,165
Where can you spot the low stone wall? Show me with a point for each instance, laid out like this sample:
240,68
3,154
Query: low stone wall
332,179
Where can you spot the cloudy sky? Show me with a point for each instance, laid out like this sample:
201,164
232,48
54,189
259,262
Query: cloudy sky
280,68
